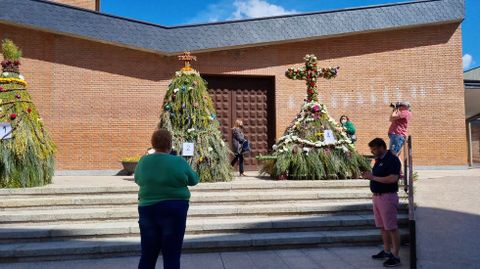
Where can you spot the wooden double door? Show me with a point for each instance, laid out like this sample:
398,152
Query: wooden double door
250,99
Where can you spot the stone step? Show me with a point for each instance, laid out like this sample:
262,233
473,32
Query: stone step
130,212
78,200
25,232
208,193
219,187
121,246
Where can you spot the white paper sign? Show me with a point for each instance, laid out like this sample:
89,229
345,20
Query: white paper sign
329,137
5,131
188,149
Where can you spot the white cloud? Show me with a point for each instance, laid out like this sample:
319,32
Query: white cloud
245,9
214,12
239,9
467,60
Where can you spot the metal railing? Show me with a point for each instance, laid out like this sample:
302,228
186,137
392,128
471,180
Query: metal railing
408,188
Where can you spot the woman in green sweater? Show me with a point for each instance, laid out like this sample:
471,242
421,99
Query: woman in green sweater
348,127
163,201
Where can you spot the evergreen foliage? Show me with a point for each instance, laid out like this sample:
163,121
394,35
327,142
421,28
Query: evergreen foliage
314,146
189,114
26,151
10,51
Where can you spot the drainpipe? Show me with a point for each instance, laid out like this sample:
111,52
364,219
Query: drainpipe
470,149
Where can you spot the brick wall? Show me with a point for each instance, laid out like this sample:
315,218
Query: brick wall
101,102
476,142
88,4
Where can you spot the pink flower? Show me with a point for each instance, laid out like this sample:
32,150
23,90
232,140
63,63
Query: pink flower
316,108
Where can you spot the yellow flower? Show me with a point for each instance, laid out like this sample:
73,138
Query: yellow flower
131,159
16,80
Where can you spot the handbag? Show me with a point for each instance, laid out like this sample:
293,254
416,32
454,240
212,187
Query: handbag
245,146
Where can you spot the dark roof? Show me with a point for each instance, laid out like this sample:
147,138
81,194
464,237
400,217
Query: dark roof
472,84
82,23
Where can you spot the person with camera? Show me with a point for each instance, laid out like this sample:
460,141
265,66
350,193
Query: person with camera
384,186
397,132
163,202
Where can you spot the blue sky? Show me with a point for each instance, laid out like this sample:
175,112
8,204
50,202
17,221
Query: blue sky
201,11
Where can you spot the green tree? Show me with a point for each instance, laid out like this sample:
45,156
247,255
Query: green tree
26,150
189,114
313,146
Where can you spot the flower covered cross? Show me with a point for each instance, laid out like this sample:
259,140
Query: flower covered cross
310,73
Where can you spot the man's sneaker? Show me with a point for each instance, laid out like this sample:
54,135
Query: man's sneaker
392,262
382,255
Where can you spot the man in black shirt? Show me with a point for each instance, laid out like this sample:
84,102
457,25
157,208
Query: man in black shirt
384,186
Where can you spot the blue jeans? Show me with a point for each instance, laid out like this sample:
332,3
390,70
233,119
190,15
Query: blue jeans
162,227
396,143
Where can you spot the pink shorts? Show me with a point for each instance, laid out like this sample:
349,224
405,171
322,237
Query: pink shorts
385,210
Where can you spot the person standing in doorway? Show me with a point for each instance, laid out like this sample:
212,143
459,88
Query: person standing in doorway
163,201
397,132
238,139
348,127
384,186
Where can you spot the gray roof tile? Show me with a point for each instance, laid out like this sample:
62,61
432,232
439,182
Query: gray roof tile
83,23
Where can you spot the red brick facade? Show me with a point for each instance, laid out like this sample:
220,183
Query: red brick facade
101,102
88,4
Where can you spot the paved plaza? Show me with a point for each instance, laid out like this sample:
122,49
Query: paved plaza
448,219
319,258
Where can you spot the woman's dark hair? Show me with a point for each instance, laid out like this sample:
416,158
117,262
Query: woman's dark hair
344,116
377,143
162,140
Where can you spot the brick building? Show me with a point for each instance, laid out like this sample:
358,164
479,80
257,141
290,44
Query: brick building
99,80
472,113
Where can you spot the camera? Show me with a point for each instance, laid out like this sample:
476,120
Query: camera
152,151
395,105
